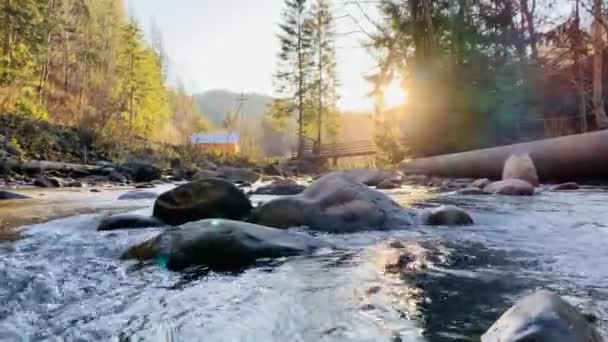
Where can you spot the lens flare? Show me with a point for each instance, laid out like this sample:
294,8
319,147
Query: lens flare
394,94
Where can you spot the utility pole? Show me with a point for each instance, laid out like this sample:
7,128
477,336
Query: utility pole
233,122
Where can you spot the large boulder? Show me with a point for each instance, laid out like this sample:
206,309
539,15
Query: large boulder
512,187
280,188
128,221
542,317
334,203
201,199
520,166
446,215
7,195
221,244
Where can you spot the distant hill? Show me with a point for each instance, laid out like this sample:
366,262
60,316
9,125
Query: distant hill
215,103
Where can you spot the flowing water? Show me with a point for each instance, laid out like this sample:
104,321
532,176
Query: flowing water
64,281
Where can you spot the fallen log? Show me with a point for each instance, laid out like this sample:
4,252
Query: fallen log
568,158
40,166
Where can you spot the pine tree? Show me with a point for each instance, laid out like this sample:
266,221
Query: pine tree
21,38
132,56
293,78
325,81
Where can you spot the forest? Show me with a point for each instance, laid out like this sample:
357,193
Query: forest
86,64
477,72
484,72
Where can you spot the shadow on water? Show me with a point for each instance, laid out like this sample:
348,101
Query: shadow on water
458,297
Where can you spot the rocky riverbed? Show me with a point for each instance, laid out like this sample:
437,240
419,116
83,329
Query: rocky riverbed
416,283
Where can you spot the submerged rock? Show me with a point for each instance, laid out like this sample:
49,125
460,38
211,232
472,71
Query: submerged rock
471,191
7,195
542,317
566,187
447,215
481,183
513,187
520,166
334,203
280,187
128,221
137,195
201,199
221,244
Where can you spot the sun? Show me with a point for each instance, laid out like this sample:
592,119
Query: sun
394,94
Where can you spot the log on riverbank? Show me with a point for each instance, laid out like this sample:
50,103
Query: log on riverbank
569,158
39,166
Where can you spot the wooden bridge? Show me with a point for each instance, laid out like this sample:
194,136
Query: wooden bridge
356,148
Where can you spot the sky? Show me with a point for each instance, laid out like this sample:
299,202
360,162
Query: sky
232,44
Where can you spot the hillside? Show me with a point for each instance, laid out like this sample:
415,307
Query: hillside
215,103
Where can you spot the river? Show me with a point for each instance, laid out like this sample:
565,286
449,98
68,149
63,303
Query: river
64,281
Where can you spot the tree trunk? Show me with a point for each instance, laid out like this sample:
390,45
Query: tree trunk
580,77
300,90
529,16
598,49
428,25
66,57
320,56
131,92
6,49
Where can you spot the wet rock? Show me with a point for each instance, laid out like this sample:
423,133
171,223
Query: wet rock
201,199
566,187
235,174
447,215
142,172
95,190
48,182
416,179
128,221
144,186
280,188
471,191
481,183
369,177
512,187
117,177
520,166
202,174
267,178
544,317
221,244
388,184
137,195
7,195
334,203
207,165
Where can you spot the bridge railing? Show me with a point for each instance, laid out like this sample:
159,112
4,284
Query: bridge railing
343,149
